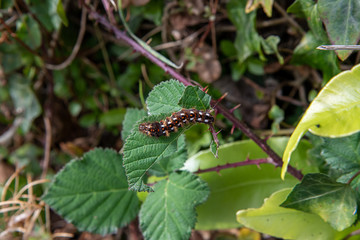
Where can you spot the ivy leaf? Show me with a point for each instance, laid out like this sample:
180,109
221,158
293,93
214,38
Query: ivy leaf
305,52
193,97
284,222
46,11
92,193
28,31
169,211
164,97
24,100
333,113
334,202
141,152
342,153
247,41
173,162
342,22
132,115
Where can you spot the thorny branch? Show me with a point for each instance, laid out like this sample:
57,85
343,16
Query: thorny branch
236,164
219,108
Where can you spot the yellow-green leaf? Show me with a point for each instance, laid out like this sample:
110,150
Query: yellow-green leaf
333,113
283,222
266,5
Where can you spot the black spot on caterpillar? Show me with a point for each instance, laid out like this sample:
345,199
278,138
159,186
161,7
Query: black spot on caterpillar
176,120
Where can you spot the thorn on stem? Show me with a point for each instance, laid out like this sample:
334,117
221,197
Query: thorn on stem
220,99
234,108
232,129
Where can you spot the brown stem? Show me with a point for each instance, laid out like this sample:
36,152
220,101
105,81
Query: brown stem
353,177
236,164
238,124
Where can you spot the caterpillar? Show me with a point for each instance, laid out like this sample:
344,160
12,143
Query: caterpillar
175,121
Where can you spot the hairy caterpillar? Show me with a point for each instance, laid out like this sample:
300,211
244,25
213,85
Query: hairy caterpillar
176,120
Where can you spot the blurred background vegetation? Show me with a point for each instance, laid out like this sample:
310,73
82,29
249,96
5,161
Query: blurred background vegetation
65,81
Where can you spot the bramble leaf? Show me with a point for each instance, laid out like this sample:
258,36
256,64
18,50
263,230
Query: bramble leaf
173,162
92,193
193,97
169,211
247,41
132,115
164,97
342,153
141,152
333,113
334,202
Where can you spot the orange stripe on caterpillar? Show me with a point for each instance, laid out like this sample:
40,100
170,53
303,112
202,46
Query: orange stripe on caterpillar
176,120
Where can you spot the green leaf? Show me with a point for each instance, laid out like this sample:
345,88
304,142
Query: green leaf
227,47
24,100
164,97
153,11
342,153
193,97
309,10
334,202
342,21
197,137
132,115
270,45
247,41
27,155
284,222
92,193
5,4
113,117
241,187
61,12
11,58
130,77
169,211
306,53
333,113
214,148
28,31
173,162
46,12
276,114
141,152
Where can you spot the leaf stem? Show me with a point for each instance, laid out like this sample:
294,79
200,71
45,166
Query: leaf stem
236,164
353,177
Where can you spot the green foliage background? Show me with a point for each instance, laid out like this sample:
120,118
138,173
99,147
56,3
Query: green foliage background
77,125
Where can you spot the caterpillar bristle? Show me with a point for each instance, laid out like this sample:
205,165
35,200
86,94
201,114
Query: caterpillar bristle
175,121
